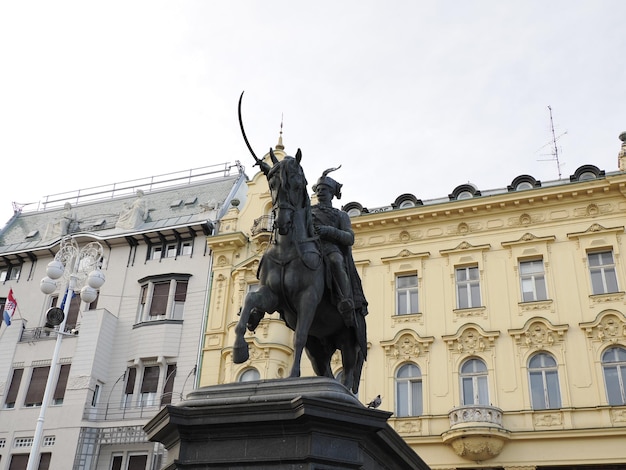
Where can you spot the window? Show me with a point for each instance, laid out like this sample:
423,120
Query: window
614,367
474,385
14,273
464,195
59,391
544,382
532,280
74,311
13,388
116,462
156,251
186,248
37,386
137,462
129,390
162,299
408,391
96,395
468,287
171,250
168,387
249,375
406,294
602,271
149,385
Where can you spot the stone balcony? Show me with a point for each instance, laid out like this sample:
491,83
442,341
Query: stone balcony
476,432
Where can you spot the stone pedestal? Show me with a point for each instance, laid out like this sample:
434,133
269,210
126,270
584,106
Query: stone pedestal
311,423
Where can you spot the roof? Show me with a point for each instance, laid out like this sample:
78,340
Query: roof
177,202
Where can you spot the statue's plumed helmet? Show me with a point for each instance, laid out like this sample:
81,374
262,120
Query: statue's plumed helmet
326,180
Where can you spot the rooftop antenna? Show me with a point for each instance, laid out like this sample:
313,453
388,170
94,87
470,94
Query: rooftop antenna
555,149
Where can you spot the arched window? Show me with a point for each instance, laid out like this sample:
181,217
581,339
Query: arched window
614,367
544,382
474,384
408,391
249,375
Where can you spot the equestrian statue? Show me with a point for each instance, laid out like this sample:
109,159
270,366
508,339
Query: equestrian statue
307,274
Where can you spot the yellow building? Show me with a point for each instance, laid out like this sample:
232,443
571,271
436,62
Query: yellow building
497,324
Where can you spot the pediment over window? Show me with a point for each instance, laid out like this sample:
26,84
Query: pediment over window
404,255
538,333
465,246
529,238
470,339
407,345
595,229
609,326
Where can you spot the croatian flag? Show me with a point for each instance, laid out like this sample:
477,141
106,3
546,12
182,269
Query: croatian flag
9,308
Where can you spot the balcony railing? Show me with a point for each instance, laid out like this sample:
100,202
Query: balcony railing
476,415
263,224
114,411
40,333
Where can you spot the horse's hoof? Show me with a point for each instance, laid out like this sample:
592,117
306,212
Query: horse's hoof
240,354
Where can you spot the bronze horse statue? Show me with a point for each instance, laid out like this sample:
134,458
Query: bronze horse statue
292,282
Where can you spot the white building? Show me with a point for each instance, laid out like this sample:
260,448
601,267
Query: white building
136,346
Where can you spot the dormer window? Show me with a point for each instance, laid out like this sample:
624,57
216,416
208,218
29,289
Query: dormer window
464,191
523,185
405,201
586,173
523,182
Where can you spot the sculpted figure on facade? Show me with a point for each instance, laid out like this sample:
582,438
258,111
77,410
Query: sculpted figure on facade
135,214
63,225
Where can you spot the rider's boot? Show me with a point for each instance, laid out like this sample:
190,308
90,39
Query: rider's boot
346,309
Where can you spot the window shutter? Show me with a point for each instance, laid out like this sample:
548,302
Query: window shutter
19,462
59,391
150,379
130,381
169,384
137,462
159,298
44,461
72,315
117,463
15,386
37,385
181,291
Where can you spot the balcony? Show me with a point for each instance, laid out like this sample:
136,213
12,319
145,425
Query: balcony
476,432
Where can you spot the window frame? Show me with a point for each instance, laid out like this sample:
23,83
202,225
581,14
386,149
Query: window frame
537,279
172,308
477,379
618,380
549,375
602,269
14,388
412,386
249,374
404,295
468,284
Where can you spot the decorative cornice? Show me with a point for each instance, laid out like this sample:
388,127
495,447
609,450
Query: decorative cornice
405,255
608,327
470,339
538,333
407,345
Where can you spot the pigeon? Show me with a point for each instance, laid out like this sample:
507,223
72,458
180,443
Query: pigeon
375,403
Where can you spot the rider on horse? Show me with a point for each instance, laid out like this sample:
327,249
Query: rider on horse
335,231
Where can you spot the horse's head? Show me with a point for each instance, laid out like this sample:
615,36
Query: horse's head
288,189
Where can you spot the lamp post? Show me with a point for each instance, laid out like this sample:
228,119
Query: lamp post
80,268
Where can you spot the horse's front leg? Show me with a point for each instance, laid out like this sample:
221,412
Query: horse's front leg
259,302
307,304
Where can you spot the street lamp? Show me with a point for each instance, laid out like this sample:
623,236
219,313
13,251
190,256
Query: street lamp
80,268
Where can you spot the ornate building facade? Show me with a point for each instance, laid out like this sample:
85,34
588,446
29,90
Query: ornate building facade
497,318
129,352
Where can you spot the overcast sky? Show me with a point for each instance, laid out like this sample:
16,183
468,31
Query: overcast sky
408,96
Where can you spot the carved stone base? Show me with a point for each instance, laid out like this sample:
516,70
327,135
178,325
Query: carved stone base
287,424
